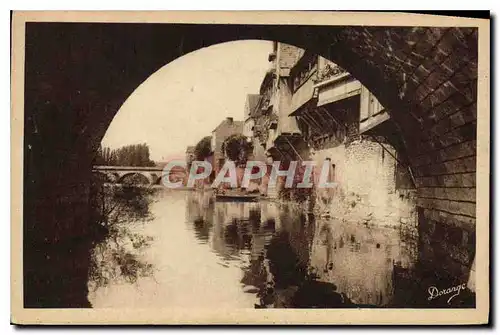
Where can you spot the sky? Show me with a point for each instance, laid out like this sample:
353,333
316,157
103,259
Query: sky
187,98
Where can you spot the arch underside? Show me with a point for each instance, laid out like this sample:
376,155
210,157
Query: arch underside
135,178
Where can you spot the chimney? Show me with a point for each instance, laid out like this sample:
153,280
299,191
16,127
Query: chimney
229,120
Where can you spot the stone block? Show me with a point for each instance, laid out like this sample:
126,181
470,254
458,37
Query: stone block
450,206
449,193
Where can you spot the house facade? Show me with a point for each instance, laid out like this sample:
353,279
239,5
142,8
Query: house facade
311,109
225,129
251,103
190,156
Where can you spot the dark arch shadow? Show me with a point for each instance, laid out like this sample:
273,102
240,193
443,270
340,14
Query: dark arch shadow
103,177
134,178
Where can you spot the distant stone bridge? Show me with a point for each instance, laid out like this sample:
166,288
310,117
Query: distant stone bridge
150,175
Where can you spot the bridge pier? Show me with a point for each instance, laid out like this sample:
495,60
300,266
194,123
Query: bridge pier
57,234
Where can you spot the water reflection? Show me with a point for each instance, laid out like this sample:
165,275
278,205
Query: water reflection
200,211
259,255
291,260
359,260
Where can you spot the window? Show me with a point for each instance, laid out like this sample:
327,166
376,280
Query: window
331,170
332,173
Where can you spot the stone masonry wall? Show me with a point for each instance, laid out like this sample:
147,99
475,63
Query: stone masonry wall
288,55
366,190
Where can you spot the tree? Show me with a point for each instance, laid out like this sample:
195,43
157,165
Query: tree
115,210
203,148
237,148
129,155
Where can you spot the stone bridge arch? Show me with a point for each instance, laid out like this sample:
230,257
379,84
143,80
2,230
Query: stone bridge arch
78,76
136,177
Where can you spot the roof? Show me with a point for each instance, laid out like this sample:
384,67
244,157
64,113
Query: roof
234,123
268,77
251,104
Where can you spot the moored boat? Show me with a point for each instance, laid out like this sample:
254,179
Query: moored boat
236,196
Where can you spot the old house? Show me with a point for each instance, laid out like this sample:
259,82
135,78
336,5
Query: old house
190,156
343,122
225,129
311,109
251,103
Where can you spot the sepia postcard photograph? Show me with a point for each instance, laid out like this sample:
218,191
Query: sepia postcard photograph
249,168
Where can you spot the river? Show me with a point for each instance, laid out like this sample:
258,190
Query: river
187,251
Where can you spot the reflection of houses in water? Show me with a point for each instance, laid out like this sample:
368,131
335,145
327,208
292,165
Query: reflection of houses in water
230,227
199,213
243,226
232,230
299,230
359,260
290,283
288,259
269,223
